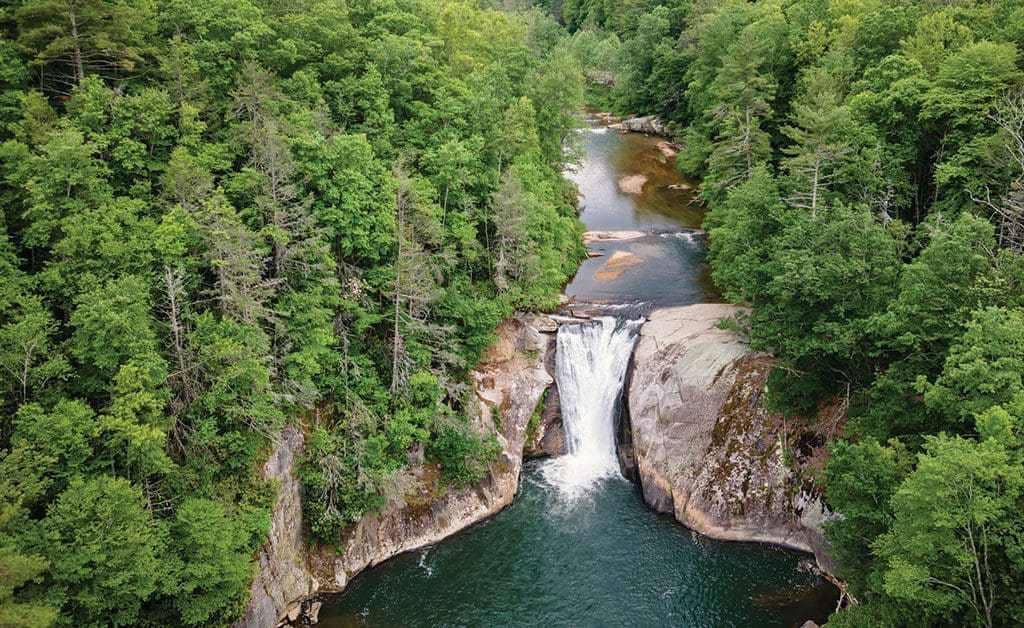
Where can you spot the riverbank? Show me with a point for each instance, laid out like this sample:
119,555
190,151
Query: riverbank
508,386
605,561
544,557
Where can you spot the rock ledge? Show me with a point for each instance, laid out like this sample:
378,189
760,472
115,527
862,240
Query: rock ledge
707,450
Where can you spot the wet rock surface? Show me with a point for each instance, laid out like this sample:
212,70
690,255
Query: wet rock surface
546,438
552,439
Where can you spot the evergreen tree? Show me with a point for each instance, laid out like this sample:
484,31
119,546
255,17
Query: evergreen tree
70,38
104,550
744,94
820,142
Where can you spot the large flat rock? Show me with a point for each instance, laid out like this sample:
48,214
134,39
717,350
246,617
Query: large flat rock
706,448
650,125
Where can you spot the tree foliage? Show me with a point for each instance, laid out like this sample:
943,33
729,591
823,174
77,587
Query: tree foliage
220,217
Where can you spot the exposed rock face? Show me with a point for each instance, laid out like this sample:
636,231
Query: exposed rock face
706,448
548,437
509,385
624,432
650,125
282,581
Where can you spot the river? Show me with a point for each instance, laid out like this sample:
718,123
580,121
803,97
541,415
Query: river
578,547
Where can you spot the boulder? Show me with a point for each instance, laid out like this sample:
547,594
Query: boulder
650,125
706,448
312,613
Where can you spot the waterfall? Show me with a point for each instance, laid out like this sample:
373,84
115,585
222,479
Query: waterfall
590,366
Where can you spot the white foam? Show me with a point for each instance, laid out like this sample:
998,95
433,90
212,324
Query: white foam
686,236
422,564
590,366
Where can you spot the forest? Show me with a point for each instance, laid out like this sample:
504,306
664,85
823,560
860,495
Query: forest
863,169
218,217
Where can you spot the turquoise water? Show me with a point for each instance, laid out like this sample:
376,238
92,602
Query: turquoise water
605,559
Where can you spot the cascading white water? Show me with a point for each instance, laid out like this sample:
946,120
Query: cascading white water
590,366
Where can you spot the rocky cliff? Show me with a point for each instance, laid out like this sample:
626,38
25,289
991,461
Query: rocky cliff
282,580
545,435
706,448
509,385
